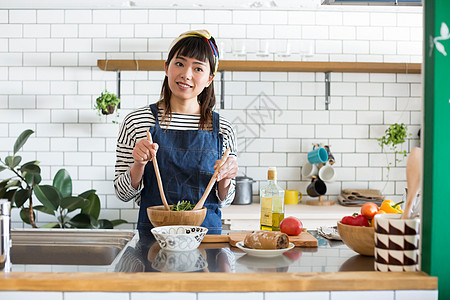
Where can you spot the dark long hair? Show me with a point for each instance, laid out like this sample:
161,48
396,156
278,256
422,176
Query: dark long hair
198,48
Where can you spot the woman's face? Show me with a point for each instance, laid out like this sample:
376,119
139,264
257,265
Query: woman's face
187,77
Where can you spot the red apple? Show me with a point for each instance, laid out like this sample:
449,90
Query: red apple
291,226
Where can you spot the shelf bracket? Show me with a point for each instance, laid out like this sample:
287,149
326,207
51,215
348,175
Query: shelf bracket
118,86
222,89
327,90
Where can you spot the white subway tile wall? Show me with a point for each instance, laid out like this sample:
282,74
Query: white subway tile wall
49,81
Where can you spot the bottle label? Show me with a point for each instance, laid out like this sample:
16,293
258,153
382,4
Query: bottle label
266,211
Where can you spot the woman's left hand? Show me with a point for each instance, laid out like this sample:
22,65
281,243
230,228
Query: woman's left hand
228,170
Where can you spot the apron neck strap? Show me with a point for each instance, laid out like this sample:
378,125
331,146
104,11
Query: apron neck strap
154,110
215,122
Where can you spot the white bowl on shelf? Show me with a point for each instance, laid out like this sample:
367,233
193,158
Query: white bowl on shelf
179,238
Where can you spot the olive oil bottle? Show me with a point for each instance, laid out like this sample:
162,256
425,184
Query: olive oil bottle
272,203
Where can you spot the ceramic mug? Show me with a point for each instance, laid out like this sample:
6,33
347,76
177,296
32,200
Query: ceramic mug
318,155
292,197
309,170
316,188
327,173
396,243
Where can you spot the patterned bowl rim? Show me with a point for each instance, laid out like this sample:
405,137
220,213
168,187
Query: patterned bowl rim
156,230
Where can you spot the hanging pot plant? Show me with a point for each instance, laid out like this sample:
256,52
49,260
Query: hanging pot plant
106,103
394,136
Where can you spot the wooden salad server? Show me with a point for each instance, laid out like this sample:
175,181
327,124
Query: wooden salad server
158,175
212,181
413,172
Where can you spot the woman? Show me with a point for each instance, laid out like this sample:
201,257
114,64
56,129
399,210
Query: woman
188,137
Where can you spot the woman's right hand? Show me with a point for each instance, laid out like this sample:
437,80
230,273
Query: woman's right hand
144,151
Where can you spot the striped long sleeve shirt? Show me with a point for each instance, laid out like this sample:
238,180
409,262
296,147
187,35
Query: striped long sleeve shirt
134,128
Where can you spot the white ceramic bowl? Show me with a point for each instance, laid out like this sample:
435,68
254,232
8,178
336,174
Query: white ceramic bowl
186,261
179,238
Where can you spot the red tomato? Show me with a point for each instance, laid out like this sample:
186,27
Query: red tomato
369,210
291,226
373,220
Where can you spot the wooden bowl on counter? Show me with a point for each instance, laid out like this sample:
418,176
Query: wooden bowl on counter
358,238
159,216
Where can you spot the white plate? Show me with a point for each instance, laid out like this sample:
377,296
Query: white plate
263,252
254,262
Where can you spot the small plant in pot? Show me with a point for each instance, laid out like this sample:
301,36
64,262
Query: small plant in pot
395,135
106,103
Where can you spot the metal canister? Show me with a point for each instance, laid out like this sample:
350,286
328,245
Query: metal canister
244,186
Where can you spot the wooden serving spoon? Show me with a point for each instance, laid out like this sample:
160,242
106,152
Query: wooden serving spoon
413,172
212,180
158,175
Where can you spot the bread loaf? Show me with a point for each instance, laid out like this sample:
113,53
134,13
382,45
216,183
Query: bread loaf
266,240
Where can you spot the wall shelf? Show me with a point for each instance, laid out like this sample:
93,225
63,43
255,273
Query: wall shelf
119,65
271,66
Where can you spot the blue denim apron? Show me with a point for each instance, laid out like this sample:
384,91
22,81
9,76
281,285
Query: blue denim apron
186,161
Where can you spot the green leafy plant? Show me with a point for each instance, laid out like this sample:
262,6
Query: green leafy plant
394,136
57,200
106,103
182,206
70,211
19,188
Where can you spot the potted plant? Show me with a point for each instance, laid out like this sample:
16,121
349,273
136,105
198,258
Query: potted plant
394,136
106,103
56,199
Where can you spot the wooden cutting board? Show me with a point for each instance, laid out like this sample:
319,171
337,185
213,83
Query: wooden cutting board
215,238
304,239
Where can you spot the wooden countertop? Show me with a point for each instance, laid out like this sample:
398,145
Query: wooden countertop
217,282
224,282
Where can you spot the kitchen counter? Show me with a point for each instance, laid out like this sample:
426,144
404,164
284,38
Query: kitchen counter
143,266
246,217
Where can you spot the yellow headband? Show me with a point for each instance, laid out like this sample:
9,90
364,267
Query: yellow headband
202,34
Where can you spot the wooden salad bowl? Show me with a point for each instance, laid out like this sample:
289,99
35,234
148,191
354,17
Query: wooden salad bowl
159,216
358,238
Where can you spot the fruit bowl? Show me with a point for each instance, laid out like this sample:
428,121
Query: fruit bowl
159,216
179,238
358,238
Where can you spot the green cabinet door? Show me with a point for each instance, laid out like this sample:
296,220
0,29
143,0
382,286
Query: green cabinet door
436,177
